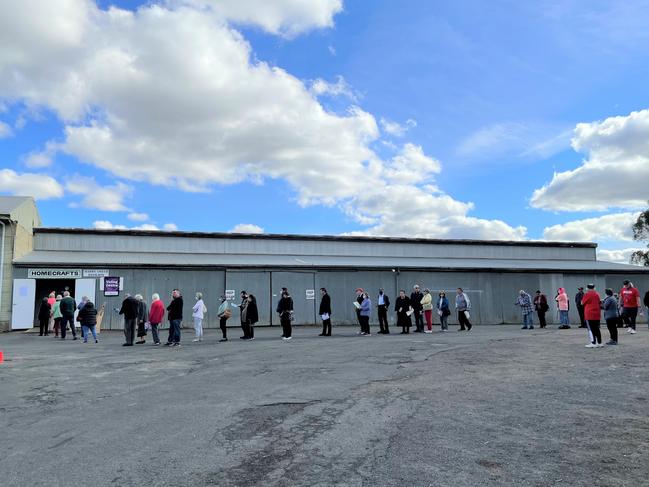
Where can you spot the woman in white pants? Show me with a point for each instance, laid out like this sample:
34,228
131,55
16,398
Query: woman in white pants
198,311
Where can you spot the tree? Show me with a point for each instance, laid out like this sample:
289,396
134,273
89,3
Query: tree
641,234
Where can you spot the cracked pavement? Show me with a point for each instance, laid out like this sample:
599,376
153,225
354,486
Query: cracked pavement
497,406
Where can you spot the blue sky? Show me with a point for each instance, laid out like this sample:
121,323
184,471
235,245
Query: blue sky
408,118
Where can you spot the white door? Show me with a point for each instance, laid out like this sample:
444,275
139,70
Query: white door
83,287
22,311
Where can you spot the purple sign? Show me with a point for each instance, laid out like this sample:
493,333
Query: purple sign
111,286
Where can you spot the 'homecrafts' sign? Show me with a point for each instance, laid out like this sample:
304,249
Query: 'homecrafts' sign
54,273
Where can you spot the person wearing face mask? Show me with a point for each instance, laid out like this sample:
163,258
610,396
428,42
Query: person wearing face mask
382,305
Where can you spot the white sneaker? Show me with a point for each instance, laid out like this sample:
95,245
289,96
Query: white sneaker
428,331
600,345
288,338
195,340
632,331
591,345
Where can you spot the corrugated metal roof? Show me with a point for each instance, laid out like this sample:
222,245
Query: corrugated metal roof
148,259
343,238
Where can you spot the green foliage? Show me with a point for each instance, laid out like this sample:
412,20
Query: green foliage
641,234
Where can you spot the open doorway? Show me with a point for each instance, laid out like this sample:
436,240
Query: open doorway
45,286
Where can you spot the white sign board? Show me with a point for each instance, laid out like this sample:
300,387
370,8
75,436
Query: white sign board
54,273
95,273
229,294
310,293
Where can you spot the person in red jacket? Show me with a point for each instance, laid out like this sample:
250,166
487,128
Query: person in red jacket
592,314
630,297
156,315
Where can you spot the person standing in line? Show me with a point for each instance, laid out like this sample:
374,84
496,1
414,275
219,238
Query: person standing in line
382,304
366,312
67,307
580,308
325,313
427,307
524,300
415,301
403,308
443,310
242,314
175,317
44,314
156,315
88,318
620,320
224,313
56,314
359,299
646,305
593,314
541,307
611,315
563,305
129,310
630,297
51,299
463,306
198,313
285,312
142,318
252,316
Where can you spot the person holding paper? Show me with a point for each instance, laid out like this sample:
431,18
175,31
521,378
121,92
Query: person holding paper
383,303
404,311
462,306
325,313
366,311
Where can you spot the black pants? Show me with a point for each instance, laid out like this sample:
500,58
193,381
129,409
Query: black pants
248,330
593,326
383,319
611,324
365,324
287,329
464,322
129,330
541,315
326,327
419,320
43,323
629,316
582,321
67,319
154,332
224,329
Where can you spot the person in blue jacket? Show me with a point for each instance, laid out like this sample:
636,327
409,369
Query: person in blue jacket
443,310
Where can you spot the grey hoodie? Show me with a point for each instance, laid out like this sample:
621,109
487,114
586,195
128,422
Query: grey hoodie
610,308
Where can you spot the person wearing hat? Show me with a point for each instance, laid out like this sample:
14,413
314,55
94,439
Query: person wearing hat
541,307
630,297
580,309
593,314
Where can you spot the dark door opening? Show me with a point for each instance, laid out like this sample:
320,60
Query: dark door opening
45,286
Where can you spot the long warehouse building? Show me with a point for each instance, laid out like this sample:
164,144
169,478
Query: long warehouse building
107,264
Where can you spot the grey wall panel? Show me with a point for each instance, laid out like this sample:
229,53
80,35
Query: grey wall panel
297,284
256,283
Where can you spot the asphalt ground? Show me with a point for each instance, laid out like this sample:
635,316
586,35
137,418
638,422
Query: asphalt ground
496,406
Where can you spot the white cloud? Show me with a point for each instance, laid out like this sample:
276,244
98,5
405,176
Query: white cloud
39,186
5,130
146,226
321,87
283,17
247,228
38,159
137,217
105,198
615,173
106,225
619,256
113,77
613,227
396,129
515,140
170,227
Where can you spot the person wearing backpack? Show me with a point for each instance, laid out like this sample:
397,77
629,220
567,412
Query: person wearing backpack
224,312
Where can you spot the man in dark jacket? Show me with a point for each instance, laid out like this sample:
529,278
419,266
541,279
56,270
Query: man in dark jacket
88,318
129,310
175,316
44,313
67,307
541,307
415,301
580,307
383,303
325,313
285,312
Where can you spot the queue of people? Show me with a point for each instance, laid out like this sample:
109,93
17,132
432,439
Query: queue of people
56,313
